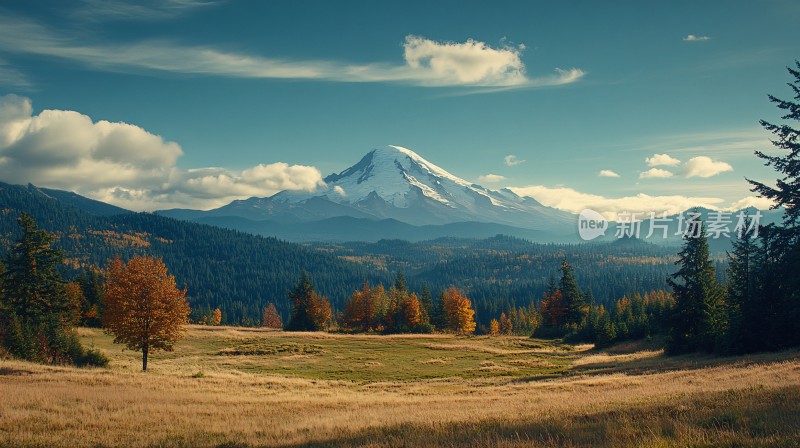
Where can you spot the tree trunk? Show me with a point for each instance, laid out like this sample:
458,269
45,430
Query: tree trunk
144,358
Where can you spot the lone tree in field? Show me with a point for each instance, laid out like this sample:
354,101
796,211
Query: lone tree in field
143,308
271,318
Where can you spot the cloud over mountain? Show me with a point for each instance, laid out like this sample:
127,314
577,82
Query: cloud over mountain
123,163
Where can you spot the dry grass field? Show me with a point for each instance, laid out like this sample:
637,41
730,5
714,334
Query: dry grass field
233,387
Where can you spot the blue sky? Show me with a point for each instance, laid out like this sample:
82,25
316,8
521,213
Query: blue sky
222,100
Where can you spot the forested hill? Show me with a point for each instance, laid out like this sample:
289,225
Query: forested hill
238,272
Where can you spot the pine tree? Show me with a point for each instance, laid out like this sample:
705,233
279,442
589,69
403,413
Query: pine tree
573,297
310,312
782,254
744,311
698,321
427,304
786,193
40,310
33,286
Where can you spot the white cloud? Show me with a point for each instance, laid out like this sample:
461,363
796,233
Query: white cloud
573,201
703,166
491,178
426,62
694,38
339,190
471,62
607,173
512,160
662,160
124,164
654,173
752,201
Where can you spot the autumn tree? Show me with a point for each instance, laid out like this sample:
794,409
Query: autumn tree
494,327
458,312
506,326
271,318
310,311
363,311
216,316
143,308
553,308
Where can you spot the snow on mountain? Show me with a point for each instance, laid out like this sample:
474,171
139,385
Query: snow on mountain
395,182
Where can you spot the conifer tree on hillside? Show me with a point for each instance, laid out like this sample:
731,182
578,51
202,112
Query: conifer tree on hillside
699,318
573,297
745,311
38,309
34,287
781,245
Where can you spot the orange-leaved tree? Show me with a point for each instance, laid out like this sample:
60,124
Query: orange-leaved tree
143,308
271,318
459,315
364,309
494,327
216,316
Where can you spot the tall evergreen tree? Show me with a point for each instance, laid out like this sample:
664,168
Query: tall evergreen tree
743,305
573,297
310,312
783,254
698,319
34,286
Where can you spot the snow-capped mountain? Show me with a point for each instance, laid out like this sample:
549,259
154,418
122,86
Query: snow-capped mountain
395,182
388,185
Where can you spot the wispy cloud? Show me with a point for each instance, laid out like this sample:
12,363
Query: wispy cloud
512,160
491,178
655,173
695,38
11,77
607,173
103,10
426,62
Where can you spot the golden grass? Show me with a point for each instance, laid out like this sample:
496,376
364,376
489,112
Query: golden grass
612,399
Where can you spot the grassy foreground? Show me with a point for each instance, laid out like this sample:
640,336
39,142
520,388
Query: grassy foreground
233,387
